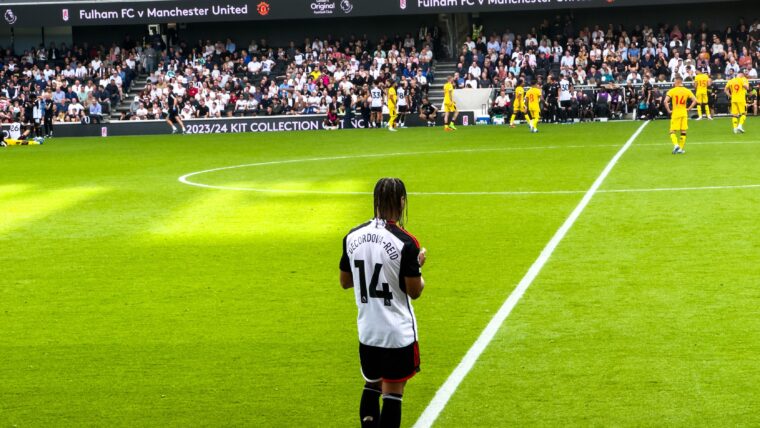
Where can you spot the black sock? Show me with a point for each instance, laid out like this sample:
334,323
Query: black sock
369,409
391,416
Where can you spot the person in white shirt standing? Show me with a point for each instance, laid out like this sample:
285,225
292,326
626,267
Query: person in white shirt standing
383,262
376,106
403,103
565,99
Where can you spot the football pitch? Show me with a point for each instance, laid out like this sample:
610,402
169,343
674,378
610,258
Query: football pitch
129,297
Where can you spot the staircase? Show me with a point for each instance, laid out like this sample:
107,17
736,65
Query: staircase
137,86
442,70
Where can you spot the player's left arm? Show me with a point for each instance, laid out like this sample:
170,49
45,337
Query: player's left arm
346,278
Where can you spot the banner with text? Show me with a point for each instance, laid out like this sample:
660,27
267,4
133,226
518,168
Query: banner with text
220,126
34,14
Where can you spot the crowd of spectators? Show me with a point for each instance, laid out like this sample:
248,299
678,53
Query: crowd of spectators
81,82
617,54
626,67
224,78
221,79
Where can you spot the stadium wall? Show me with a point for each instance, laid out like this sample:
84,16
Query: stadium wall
717,16
277,33
218,126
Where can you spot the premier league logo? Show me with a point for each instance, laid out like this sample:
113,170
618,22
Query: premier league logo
346,6
65,14
10,17
403,4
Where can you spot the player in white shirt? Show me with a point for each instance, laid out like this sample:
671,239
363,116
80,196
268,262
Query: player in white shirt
565,97
382,262
16,137
376,106
402,94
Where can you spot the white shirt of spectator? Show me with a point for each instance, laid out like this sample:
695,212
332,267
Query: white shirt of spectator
474,70
254,66
214,109
501,101
187,112
567,61
75,109
179,90
81,72
266,66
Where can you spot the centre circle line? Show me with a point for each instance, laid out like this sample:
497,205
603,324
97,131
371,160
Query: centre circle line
185,179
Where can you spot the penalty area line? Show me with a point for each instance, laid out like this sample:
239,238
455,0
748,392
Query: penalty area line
449,387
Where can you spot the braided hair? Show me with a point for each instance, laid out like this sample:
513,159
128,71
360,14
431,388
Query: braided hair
389,193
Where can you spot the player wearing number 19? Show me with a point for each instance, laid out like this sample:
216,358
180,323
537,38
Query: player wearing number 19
737,88
382,262
682,100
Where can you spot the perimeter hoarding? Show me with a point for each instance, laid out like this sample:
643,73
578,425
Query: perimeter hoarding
28,14
221,126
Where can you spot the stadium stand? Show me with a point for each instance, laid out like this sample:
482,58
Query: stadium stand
614,69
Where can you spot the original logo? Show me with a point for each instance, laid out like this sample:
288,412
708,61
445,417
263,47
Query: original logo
346,6
323,7
10,17
65,14
263,8
403,4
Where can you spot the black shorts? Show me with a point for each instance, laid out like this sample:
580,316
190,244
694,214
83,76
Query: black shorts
389,364
376,109
173,116
403,109
566,104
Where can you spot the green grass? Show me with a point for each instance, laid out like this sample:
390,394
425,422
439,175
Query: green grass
130,299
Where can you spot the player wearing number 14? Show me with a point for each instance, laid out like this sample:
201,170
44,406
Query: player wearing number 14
682,100
382,262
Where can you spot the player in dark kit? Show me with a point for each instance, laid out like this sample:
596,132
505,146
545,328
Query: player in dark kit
172,116
382,262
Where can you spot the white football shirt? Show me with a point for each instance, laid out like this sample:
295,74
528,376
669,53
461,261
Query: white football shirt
377,97
564,90
379,255
401,95
14,131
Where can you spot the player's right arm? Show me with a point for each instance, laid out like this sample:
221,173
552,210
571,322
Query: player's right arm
667,104
411,269
727,89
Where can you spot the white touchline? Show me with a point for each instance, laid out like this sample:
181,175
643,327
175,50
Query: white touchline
442,396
